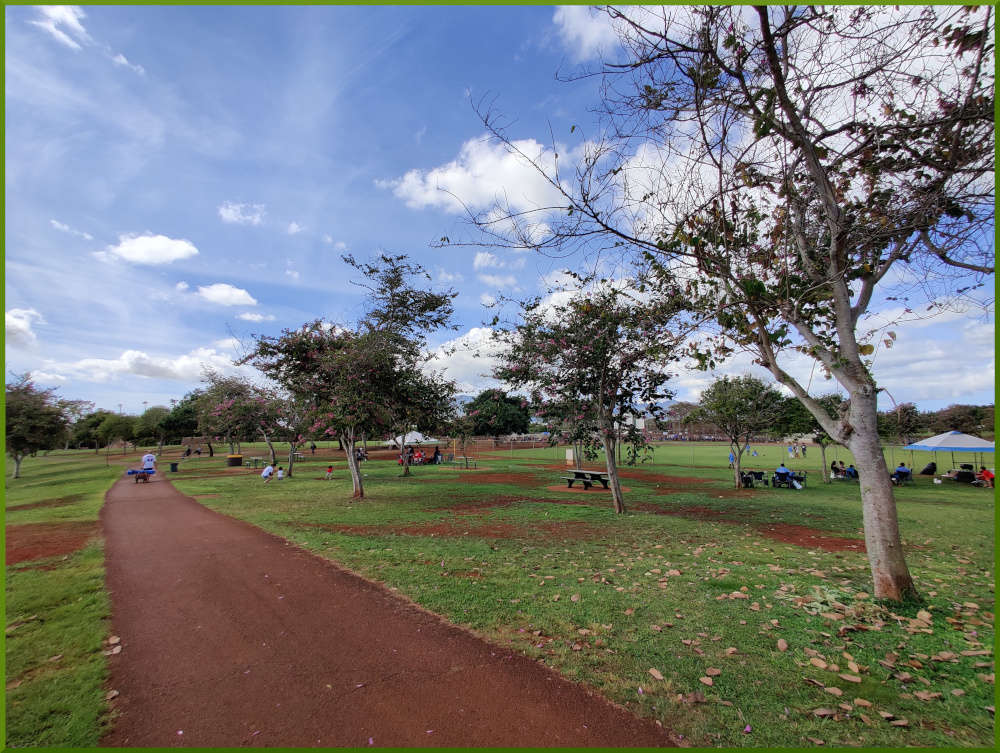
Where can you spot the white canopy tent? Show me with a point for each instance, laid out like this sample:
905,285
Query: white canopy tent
952,441
414,437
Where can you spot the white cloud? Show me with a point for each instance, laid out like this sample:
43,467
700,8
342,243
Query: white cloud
67,229
482,174
225,294
498,281
487,300
229,343
294,228
293,273
181,286
251,317
487,260
340,246
149,249
585,32
242,214
443,275
468,359
44,377
18,327
63,23
120,59
187,368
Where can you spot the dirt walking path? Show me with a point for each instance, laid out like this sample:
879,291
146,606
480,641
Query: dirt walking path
233,637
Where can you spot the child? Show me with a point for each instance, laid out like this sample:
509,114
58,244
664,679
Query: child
329,472
267,473
281,473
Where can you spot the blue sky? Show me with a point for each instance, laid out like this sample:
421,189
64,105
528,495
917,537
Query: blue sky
178,178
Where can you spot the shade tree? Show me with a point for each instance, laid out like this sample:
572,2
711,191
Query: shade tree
798,168
34,419
591,362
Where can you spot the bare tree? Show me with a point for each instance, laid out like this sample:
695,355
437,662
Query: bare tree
784,163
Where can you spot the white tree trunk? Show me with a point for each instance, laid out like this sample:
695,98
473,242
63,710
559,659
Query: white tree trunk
352,463
17,465
890,575
616,487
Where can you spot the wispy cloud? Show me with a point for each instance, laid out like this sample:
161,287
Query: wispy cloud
120,59
67,229
242,214
252,317
63,23
294,228
187,367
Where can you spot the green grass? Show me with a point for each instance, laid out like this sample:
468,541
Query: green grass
57,609
510,573
660,591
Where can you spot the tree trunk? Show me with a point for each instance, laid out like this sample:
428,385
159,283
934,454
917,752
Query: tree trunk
292,447
352,463
211,452
270,447
737,464
824,470
17,465
890,575
405,455
577,456
616,487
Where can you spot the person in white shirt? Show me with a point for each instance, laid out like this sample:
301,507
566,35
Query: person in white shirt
281,473
267,473
149,462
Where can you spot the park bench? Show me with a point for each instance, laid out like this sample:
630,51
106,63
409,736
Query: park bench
587,478
750,478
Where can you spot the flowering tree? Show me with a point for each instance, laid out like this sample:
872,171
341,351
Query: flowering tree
798,167
591,363
498,413
342,381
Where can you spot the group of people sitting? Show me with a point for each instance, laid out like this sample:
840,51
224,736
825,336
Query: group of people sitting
837,470
419,457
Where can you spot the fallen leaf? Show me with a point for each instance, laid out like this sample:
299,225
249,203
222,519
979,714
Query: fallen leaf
782,644
925,616
13,684
958,692
657,675
862,702
819,663
656,628
815,741
555,598
629,611
886,715
926,695
574,597
849,678
834,691
577,647
111,694
57,657
823,712
899,723
853,666
713,672
114,639
731,650
706,681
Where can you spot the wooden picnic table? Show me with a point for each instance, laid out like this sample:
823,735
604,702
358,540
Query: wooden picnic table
587,478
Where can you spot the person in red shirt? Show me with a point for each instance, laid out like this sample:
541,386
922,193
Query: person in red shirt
985,475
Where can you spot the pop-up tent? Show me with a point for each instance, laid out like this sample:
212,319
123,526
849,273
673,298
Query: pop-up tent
414,437
952,441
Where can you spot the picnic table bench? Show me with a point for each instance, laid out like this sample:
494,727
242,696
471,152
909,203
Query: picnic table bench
587,478
468,461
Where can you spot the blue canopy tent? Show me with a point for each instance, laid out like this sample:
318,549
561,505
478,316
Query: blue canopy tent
952,441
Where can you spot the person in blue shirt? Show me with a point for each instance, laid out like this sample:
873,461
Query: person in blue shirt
781,469
901,472
732,459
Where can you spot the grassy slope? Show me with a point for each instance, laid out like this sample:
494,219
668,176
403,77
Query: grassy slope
57,608
633,612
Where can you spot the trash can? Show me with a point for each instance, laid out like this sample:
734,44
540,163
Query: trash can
173,467
236,460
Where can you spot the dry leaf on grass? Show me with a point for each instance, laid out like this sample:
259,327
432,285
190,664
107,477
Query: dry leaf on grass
657,675
713,672
782,644
834,691
849,678
862,702
706,681
822,713
819,663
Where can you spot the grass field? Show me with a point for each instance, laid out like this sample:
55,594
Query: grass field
56,605
736,618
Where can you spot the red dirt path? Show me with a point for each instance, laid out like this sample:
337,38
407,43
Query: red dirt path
234,637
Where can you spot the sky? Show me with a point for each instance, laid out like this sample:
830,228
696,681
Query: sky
180,179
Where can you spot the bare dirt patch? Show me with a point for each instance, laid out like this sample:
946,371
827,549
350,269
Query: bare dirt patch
58,502
35,541
810,538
